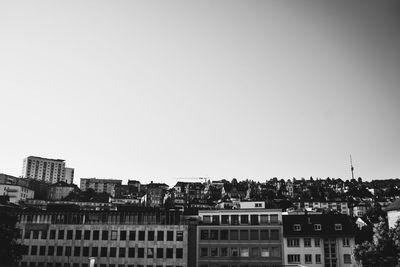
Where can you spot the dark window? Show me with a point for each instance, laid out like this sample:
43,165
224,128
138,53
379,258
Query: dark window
235,219
104,235
179,253
150,253
33,250
121,253
77,251
95,251
225,219
131,252
35,234
150,235
204,252
42,250
254,234
68,251
204,234
244,235
96,235
28,234
86,235
244,219
274,234
170,253
234,235
52,234
160,253
254,219
170,235
141,235
113,252
264,235
224,234
132,235
85,252
61,234
59,251
179,236
44,234
103,252
213,234
78,234
160,235
50,251
140,252
122,235
69,234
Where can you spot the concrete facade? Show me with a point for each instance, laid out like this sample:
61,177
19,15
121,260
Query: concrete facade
16,193
100,185
44,169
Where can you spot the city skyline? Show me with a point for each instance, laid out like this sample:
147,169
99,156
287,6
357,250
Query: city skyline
156,90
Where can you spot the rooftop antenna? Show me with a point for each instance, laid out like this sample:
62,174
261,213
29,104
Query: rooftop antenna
352,168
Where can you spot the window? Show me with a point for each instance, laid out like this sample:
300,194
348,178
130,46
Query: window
308,258
132,235
95,251
214,252
293,242
307,242
273,218
77,251
264,219
224,234
170,253
294,258
69,234
204,234
50,251
170,235
44,234
346,242
113,252
42,250
131,252
103,252
253,219
61,234
179,236
85,252
317,258
244,252
160,253
317,242
347,258
224,252
33,250
234,234
225,219
235,219
234,252
274,234
160,235
275,252
121,253
203,252
150,235
114,235
104,235
254,252
52,234
264,252
78,234
150,253
207,219
35,234
244,219
296,227
213,234
317,227
338,227
59,251
253,234
86,235
244,235
264,235
140,252
68,251
96,235
179,253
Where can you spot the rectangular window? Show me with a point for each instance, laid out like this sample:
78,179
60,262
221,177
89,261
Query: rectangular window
346,242
225,219
294,258
264,235
347,258
104,235
52,234
170,235
141,235
244,219
68,251
224,252
86,235
234,252
244,235
213,234
33,250
60,234
35,234
274,234
122,235
28,234
50,251
77,251
95,251
275,252
234,219
103,252
113,252
140,252
70,234
78,234
204,235
317,258
264,252
264,219
59,251
150,253
132,235
254,219
317,242
296,227
203,252
160,235
170,253
114,235
179,236
317,227
273,218
244,252
293,242
160,253
85,252
121,253
338,227
254,234
224,234
131,252
214,252
150,235
96,235
308,258
42,250
307,242
234,235
44,234
254,252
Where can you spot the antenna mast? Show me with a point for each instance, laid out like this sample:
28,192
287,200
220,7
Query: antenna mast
352,168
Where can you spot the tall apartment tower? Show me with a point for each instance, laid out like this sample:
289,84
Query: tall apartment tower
69,175
43,169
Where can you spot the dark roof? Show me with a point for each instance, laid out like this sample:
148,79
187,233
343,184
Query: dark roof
35,157
327,222
394,205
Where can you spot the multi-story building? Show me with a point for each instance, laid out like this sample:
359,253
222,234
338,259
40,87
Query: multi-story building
393,213
7,179
339,206
100,185
60,190
134,238
69,175
236,238
318,240
44,169
16,193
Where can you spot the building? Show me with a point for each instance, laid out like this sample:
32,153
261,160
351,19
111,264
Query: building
16,193
393,213
340,206
318,240
100,185
44,169
60,190
245,237
7,179
69,175
130,238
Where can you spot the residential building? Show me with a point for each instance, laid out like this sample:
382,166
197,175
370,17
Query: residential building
44,169
16,193
130,238
100,185
393,213
69,175
318,240
60,190
7,179
340,206
235,238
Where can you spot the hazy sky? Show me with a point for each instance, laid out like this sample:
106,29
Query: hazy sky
154,90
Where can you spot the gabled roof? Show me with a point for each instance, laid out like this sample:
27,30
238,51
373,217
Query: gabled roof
394,205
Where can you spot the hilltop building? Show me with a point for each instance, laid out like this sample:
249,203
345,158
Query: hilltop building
100,185
45,169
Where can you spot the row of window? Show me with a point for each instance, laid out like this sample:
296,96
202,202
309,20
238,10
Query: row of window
254,234
121,235
296,258
255,219
240,252
295,242
241,265
111,252
317,227
59,264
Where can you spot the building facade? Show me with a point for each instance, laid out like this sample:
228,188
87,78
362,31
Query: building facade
44,169
16,193
318,240
239,238
100,185
60,190
141,238
69,175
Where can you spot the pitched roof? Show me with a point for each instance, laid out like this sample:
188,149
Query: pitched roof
394,205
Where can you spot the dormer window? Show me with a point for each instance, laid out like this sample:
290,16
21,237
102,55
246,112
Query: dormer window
338,227
297,227
317,227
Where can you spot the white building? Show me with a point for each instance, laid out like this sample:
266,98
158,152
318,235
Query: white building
393,212
69,175
16,193
100,185
318,240
44,169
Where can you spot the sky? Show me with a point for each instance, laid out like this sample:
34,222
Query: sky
162,90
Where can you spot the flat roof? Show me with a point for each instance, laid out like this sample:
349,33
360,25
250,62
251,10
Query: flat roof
35,157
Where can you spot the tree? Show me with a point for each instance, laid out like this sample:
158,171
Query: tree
384,251
10,251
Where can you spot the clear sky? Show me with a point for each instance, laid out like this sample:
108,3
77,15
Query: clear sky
155,90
